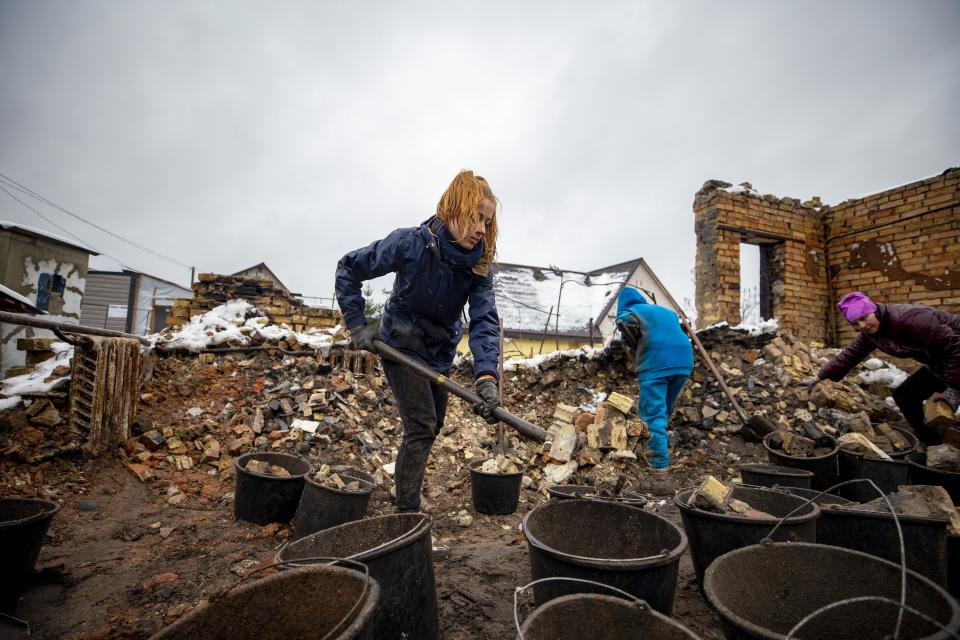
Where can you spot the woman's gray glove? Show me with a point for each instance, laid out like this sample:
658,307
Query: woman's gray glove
362,337
489,399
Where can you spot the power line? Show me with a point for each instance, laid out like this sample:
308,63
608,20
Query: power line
16,185
41,215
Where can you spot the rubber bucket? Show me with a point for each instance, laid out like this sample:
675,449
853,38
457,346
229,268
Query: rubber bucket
762,591
322,507
824,468
925,539
614,544
600,617
494,493
953,564
570,491
713,534
308,602
262,498
922,474
398,550
886,474
23,529
769,475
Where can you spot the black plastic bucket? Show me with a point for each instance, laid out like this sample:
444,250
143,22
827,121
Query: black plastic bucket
886,474
308,602
23,529
769,475
922,474
953,564
322,507
618,545
398,550
762,591
600,617
494,493
262,498
570,491
713,534
824,468
925,539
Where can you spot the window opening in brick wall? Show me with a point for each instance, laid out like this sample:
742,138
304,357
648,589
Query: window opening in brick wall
750,283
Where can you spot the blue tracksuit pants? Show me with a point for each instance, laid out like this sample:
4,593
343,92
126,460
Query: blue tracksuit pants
657,397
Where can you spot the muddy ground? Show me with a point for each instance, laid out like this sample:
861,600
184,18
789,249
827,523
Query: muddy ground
121,561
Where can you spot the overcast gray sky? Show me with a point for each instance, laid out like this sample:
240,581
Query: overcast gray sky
223,133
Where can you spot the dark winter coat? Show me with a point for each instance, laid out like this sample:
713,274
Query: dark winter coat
915,331
434,280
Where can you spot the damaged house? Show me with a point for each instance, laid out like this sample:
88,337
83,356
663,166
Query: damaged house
901,245
546,309
47,270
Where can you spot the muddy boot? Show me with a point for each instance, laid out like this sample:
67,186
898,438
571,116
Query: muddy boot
658,483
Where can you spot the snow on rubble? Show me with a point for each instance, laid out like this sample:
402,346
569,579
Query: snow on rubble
40,380
238,323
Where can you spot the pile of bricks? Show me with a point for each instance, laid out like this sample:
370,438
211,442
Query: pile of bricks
37,350
212,290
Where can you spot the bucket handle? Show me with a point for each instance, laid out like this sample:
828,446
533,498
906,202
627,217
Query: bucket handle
518,590
903,551
903,607
22,623
536,543
409,534
330,560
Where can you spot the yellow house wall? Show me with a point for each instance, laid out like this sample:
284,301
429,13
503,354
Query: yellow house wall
518,348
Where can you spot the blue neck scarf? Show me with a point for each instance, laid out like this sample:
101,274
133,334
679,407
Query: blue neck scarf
455,255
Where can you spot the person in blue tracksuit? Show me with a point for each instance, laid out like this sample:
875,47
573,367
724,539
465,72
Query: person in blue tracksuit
440,266
664,361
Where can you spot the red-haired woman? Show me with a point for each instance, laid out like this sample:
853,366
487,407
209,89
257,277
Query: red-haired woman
440,266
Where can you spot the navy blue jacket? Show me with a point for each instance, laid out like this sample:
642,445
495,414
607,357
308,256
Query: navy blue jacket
433,283
664,348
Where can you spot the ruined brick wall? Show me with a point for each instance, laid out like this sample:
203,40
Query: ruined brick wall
792,235
212,290
900,246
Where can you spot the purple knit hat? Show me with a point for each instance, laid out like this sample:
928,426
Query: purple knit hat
855,305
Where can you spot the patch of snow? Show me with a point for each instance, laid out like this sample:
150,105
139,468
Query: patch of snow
765,326
33,382
9,403
891,375
537,360
742,189
874,363
230,323
596,397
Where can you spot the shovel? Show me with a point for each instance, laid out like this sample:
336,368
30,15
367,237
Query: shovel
754,427
524,428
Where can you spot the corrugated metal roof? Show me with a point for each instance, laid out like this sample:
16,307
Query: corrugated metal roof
527,295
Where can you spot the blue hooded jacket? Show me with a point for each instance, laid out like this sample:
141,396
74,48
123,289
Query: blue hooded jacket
664,348
434,280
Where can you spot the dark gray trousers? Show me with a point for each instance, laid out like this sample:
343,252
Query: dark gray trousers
422,406
910,395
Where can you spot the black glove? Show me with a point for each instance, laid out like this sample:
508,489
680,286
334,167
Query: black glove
489,399
361,337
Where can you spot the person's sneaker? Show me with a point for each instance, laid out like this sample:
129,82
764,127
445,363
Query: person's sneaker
658,483
440,551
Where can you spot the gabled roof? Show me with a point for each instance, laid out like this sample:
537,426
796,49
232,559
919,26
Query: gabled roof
263,265
527,295
46,235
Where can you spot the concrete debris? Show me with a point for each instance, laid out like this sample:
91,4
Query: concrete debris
944,457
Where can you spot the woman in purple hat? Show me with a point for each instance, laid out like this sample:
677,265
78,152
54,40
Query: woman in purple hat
915,331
